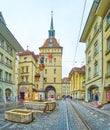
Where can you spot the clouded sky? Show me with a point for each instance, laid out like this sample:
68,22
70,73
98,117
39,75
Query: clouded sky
29,22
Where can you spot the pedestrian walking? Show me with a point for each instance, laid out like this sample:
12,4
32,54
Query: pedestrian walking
96,99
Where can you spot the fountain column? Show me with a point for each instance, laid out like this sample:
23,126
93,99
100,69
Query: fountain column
41,84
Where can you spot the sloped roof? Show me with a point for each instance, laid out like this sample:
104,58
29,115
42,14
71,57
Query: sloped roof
28,52
78,69
65,79
53,40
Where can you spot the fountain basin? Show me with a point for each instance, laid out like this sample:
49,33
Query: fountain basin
37,106
20,116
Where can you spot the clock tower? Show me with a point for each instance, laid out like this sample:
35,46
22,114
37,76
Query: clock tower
52,52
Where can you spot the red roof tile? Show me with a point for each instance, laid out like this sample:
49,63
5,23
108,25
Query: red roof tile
55,43
28,52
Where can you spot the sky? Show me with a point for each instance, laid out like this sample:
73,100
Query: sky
29,22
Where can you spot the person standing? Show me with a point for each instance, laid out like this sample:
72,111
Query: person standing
96,99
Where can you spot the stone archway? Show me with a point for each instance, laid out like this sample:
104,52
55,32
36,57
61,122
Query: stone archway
8,94
50,92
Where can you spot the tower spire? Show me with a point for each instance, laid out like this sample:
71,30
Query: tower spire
51,27
51,31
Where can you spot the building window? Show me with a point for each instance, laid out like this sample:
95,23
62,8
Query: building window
1,72
89,57
108,44
1,57
45,71
1,42
54,80
96,68
89,39
95,27
108,68
95,48
45,60
6,76
54,59
108,19
26,78
22,78
54,71
6,60
10,63
25,58
26,68
45,79
89,73
10,77
22,69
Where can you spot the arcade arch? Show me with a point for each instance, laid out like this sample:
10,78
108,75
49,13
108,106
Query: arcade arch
50,92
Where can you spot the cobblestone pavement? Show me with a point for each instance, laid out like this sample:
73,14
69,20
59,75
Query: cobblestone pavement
60,119
53,121
97,119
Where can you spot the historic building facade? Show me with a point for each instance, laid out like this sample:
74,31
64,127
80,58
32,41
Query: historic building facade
8,48
27,70
77,78
96,36
52,52
104,12
66,86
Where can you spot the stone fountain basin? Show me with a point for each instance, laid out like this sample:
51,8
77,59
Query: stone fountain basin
46,106
20,116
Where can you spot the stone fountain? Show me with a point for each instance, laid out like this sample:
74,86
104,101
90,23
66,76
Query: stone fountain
32,106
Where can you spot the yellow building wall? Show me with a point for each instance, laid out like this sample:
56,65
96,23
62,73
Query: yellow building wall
77,90
106,56
98,14
50,65
31,64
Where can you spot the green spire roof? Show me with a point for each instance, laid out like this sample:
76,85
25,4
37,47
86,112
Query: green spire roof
51,31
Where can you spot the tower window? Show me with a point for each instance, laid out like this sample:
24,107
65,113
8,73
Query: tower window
54,71
54,80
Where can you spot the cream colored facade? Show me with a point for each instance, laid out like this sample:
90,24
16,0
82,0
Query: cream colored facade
66,86
104,12
77,78
53,69
8,48
95,37
28,66
52,52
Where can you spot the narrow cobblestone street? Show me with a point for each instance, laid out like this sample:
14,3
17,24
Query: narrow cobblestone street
63,118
